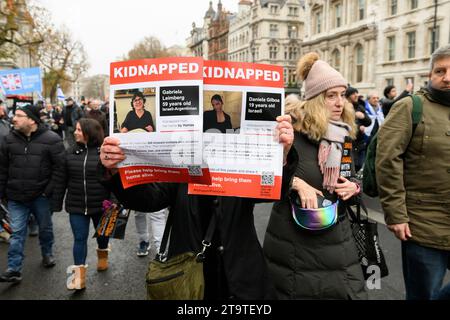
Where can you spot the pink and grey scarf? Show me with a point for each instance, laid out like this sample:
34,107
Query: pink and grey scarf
330,153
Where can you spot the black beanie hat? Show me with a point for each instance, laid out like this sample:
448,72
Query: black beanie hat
350,91
32,112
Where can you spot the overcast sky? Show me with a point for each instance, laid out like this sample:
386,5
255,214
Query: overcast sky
108,29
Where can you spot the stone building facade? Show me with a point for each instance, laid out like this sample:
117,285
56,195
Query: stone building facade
344,33
270,32
15,12
375,43
198,40
405,39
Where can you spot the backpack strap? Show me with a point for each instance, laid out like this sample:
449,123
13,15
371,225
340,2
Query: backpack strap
416,111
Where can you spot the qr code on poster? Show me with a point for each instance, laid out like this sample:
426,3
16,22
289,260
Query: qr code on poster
267,178
195,171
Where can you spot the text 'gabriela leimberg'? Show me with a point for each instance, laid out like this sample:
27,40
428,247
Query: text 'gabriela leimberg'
192,68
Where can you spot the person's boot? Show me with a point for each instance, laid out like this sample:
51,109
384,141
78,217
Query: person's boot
4,236
77,278
102,262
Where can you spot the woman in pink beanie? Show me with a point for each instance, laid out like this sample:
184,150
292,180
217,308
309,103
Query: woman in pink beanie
308,245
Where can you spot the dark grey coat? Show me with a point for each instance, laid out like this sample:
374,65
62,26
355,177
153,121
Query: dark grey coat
311,265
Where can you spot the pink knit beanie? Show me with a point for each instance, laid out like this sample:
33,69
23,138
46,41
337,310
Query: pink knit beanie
317,75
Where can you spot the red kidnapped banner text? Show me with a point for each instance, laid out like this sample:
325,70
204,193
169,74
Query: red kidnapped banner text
148,70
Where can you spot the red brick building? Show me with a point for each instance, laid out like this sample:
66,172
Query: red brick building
218,34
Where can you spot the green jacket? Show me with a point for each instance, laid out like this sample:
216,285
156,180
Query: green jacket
414,174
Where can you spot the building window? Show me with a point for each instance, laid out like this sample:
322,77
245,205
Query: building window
336,56
338,15
273,52
292,32
413,4
432,33
293,11
318,24
361,9
292,77
255,12
273,9
255,31
411,38
359,52
292,53
274,30
389,82
393,7
253,50
391,48
409,80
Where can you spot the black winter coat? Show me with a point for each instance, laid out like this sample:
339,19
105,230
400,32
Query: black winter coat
386,104
243,260
85,194
359,142
311,264
33,166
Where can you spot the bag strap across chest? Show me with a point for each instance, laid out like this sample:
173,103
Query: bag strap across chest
206,242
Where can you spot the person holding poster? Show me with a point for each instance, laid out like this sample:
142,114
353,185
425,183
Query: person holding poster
234,267
309,245
138,118
216,119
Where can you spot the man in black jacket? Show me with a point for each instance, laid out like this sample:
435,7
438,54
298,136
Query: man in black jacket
31,168
362,120
71,113
390,96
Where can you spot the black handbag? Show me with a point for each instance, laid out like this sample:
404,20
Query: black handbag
113,222
179,277
365,233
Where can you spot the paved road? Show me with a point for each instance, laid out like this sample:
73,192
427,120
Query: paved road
125,278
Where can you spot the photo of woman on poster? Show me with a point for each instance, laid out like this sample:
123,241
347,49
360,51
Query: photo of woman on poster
138,118
216,118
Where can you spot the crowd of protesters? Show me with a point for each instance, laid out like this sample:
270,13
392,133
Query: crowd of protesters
297,260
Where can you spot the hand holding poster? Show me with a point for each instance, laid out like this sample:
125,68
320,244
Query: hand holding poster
240,150
157,106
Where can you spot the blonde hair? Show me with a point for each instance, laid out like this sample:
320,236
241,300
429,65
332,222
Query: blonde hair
311,117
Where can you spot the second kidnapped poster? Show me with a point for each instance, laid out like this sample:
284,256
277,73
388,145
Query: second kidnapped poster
241,103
